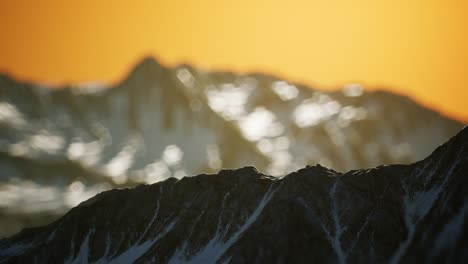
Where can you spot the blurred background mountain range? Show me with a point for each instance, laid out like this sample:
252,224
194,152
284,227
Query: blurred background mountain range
59,147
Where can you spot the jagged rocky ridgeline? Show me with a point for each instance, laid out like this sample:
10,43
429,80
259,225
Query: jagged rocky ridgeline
62,146
390,214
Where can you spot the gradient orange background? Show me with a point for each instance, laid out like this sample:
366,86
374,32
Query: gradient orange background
414,47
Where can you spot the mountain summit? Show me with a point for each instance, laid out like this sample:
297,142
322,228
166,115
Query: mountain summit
396,214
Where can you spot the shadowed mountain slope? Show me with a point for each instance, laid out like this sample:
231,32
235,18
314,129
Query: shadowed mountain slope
396,213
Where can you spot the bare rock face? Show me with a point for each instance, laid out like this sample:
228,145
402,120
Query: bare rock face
414,213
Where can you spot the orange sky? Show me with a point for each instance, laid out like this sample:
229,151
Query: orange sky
414,47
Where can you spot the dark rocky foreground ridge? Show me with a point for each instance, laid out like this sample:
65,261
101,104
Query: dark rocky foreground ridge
59,147
389,214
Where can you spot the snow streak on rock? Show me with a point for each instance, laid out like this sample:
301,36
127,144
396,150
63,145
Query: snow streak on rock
335,239
216,247
132,253
418,203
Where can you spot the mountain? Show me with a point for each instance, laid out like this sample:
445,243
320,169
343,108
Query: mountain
414,213
59,147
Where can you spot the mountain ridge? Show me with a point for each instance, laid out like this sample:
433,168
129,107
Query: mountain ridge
63,146
392,213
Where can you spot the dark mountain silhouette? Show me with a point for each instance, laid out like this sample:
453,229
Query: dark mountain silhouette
414,213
